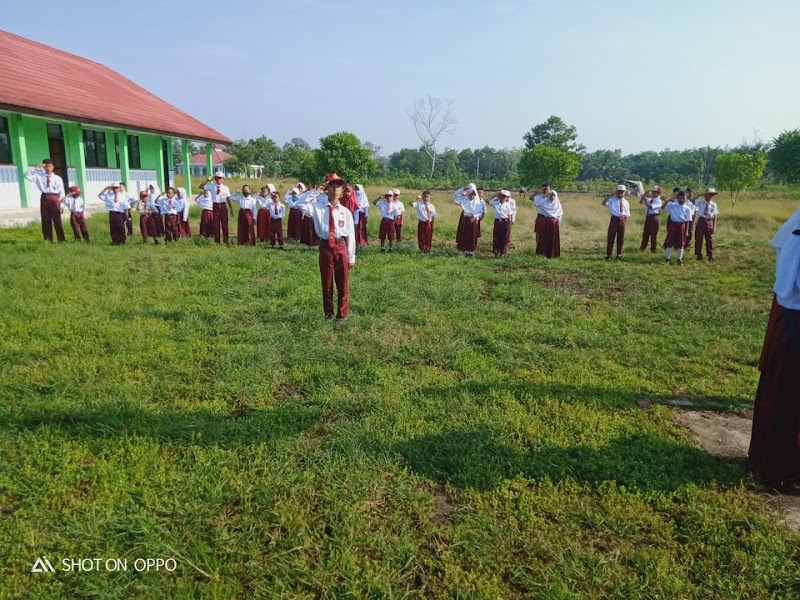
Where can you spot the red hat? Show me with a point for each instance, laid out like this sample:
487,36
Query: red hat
331,177
74,189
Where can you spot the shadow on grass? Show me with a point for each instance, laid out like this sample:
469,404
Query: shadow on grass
243,426
476,459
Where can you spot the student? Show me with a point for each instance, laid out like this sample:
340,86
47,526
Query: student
388,210
171,207
398,220
473,208
693,208
185,229
206,204
620,210
117,207
426,214
541,197
246,234
548,217
361,217
131,202
295,216
145,221
775,442
679,217
263,201
308,235
220,195
652,209
333,224
156,224
707,212
77,218
276,213
512,205
502,222
51,190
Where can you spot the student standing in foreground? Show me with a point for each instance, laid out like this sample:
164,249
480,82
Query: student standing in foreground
276,213
145,226
398,220
652,206
548,219
502,222
388,210
77,218
707,212
619,210
426,213
473,208
206,205
51,188
171,207
246,233
333,224
775,441
117,206
541,197
680,215
220,196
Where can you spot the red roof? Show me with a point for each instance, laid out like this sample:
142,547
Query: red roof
217,157
81,89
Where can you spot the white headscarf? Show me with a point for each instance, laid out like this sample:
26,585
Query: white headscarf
361,196
471,187
787,268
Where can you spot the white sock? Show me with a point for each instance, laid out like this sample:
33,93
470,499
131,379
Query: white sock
680,254
669,253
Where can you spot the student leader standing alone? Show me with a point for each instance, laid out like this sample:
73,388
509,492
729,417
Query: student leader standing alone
333,223
51,188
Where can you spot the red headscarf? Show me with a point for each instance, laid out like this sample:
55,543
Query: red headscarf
350,203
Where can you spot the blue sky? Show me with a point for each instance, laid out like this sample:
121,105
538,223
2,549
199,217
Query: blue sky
629,75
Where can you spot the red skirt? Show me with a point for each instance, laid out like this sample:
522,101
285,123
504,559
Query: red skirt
460,230
307,234
144,226
548,242
676,235
470,234
293,226
156,225
538,225
500,236
207,223
361,232
245,235
775,441
263,225
186,231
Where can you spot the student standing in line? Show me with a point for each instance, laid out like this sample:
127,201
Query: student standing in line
145,220
171,207
541,197
206,204
548,217
220,196
619,210
263,200
502,222
153,204
131,202
426,213
459,197
246,234
693,209
775,441
333,224
276,213
652,209
680,215
398,220
362,239
184,227
389,212
512,205
295,216
707,212
117,206
473,208
77,219
308,235
51,190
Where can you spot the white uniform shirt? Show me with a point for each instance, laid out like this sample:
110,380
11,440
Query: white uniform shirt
141,207
363,203
222,196
38,177
75,205
246,203
388,209
401,208
120,205
692,207
548,207
707,210
655,203
290,200
423,209
680,213
502,210
319,212
474,208
615,210
263,202
175,207
205,202
277,210
513,205
153,205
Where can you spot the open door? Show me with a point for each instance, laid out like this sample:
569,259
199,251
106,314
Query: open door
58,152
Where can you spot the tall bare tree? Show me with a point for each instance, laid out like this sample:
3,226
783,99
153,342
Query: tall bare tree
432,118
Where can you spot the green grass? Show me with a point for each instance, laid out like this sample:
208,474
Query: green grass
472,431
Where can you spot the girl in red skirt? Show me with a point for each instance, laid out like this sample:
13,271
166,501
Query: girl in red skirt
186,231
206,204
263,200
502,222
680,215
246,233
548,219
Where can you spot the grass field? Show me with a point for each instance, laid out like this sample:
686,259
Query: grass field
472,431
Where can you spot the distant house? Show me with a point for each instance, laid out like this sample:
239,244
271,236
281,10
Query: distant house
199,163
96,125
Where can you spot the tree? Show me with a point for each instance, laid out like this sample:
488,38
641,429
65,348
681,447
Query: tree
298,143
344,154
432,118
784,156
547,163
735,171
603,164
300,163
267,153
554,132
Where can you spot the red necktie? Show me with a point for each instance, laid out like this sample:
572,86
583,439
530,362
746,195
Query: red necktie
48,182
331,228
115,197
170,203
219,190
428,212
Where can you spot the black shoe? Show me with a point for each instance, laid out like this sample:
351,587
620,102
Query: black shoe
710,259
680,262
340,320
669,261
280,248
619,256
383,249
699,257
329,317
608,258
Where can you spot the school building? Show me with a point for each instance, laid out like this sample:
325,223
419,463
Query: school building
96,125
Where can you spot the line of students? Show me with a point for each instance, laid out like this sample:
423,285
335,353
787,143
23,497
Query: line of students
683,213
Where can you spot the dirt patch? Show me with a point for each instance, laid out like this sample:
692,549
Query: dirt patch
298,390
443,504
729,436
570,283
241,412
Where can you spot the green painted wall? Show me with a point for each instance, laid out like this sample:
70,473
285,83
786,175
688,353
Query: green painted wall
36,139
149,150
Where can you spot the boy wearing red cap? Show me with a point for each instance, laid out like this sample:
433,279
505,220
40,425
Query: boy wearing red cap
51,188
77,218
333,223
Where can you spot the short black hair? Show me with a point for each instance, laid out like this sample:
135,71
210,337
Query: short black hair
47,161
545,184
675,190
426,192
681,193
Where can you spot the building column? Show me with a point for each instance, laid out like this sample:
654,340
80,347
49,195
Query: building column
19,153
209,159
160,167
187,166
171,159
124,159
77,152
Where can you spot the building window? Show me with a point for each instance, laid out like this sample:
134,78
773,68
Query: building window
94,143
134,158
5,142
